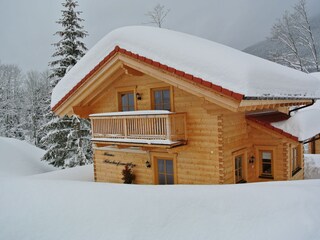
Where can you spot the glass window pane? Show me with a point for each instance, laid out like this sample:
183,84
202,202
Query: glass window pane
169,167
166,106
130,108
131,99
161,179
170,179
266,161
124,100
266,155
157,107
157,97
160,166
166,95
266,168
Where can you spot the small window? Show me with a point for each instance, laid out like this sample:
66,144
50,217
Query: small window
295,161
161,99
266,163
165,171
126,101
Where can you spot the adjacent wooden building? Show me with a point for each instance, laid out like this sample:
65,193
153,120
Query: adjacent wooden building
174,127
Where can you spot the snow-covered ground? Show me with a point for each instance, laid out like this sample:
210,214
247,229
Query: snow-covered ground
43,207
18,158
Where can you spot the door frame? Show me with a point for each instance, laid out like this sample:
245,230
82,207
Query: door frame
165,156
244,153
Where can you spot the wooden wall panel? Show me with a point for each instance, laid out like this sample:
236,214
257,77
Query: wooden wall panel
214,135
197,162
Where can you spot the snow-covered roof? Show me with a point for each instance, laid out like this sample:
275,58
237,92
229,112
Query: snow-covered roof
215,63
303,124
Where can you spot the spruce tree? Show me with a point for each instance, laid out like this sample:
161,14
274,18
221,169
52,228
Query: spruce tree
69,143
70,48
68,138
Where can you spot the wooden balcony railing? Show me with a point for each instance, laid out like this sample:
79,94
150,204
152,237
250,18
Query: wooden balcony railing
158,127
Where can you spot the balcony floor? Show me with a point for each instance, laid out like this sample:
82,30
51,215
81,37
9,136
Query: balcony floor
139,142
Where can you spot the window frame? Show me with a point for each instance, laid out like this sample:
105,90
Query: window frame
125,90
273,150
153,90
261,173
297,160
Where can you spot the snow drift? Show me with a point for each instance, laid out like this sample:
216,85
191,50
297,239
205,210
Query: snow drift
18,158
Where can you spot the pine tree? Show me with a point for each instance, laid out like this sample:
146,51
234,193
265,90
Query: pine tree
70,48
69,141
68,138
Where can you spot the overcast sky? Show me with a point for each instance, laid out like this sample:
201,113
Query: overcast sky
27,26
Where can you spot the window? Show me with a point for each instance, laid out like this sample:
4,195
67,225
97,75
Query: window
266,164
165,171
126,101
295,161
161,99
238,169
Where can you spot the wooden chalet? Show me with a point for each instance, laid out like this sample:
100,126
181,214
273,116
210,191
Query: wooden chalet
175,126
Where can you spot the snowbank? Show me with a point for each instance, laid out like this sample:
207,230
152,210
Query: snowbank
221,65
312,166
50,206
303,124
79,173
37,209
19,158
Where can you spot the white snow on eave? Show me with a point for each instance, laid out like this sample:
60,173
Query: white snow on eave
131,113
213,62
134,140
304,124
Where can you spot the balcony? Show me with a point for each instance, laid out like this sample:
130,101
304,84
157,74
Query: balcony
136,128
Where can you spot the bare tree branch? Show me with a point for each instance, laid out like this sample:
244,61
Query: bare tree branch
158,15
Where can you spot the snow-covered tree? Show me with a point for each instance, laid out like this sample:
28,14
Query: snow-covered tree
70,48
158,15
306,37
285,33
69,142
37,87
11,101
294,33
67,138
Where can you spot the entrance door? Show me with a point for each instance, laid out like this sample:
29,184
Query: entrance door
239,168
165,171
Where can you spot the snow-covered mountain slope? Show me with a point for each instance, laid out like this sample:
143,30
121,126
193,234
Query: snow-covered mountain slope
19,158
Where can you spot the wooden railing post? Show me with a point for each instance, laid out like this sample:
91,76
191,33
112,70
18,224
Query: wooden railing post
125,128
168,126
185,126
